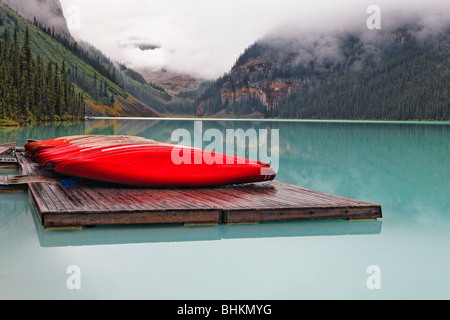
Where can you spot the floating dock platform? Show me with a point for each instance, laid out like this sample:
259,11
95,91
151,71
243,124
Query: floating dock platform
65,202
7,148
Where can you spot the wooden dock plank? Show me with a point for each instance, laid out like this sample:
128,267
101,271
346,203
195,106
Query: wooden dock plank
8,163
5,187
75,199
107,199
52,198
188,198
87,203
93,204
7,148
41,199
248,216
221,198
120,218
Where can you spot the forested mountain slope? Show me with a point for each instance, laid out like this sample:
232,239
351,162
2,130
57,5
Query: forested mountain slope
101,85
397,76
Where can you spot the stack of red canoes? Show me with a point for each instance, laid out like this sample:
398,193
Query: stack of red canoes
143,162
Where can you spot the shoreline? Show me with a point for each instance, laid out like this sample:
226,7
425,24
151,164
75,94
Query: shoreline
436,122
13,124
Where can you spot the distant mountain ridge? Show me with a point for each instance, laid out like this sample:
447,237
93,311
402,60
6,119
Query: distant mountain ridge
174,83
393,76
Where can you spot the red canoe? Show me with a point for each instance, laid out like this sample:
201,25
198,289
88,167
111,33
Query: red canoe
142,162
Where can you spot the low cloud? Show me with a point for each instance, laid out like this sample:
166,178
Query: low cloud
47,12
148,46
204,38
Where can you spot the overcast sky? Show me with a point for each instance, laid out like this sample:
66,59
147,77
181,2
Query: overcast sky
205,37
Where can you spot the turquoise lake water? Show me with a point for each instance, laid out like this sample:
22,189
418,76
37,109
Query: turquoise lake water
402,166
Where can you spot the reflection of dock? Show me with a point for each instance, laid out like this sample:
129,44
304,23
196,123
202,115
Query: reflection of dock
111,235
65,202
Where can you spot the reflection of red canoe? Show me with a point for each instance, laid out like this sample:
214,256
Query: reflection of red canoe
145,163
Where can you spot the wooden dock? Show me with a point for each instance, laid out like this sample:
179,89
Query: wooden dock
68,202
6,148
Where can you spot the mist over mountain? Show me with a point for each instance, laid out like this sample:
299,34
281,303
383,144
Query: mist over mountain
398,72
46,12
325,43
100,87
315,59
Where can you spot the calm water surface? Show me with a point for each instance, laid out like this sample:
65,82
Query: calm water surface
404,167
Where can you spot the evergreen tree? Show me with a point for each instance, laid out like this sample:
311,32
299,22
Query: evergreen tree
29,91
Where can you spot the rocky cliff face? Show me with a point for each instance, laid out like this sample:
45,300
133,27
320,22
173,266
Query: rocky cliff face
274,69
254,80
47,12
266,75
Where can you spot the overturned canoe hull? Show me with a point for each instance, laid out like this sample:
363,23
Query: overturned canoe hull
141,162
